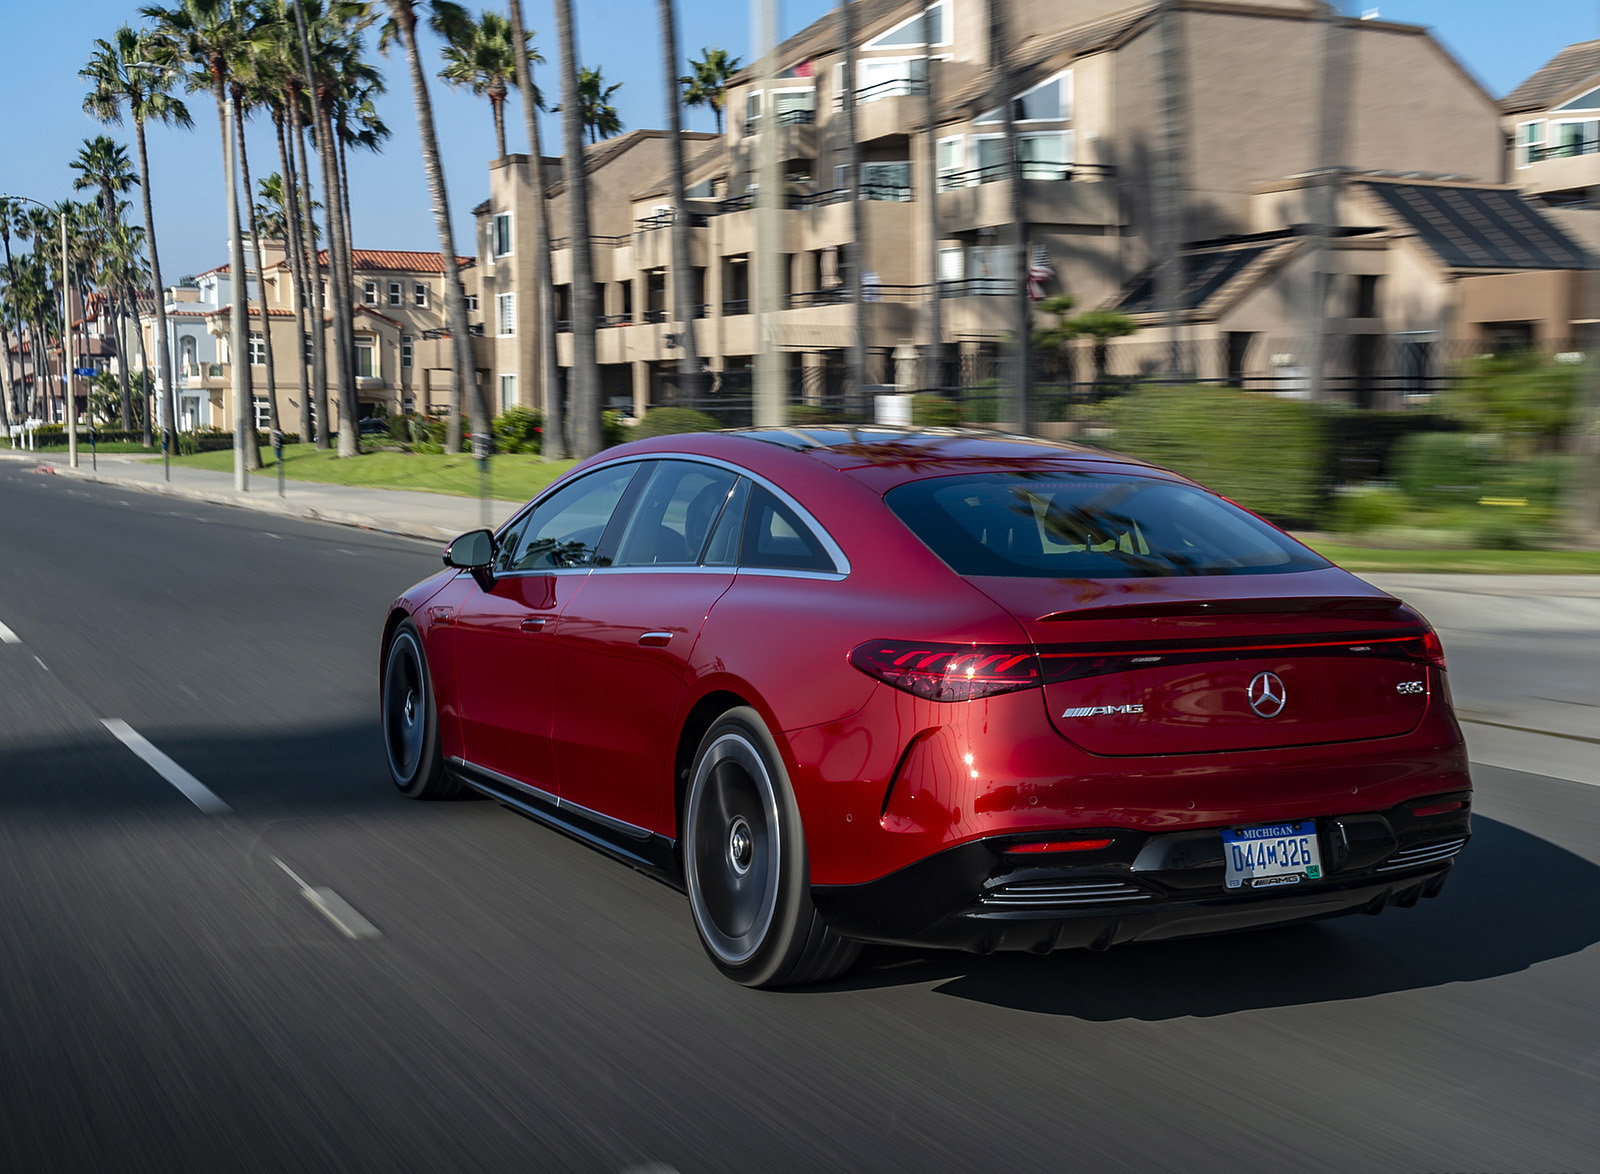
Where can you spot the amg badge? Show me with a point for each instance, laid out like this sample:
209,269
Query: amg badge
1097,710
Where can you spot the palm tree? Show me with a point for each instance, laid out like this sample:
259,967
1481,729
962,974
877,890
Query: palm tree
596,115
124,73
20,306
856,399
483,56
682,272
1103,326
278,215
707,82
1057,338
246,97
102,163
125,271
587,436
402,25
210,36
554,446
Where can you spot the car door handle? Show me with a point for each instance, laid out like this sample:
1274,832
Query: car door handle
534,624
655,639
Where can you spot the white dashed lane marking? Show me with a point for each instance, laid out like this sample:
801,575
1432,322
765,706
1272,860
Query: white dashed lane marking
193,789
7,636
332,906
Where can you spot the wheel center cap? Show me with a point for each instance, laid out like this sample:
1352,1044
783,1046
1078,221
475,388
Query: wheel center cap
741,846
411,709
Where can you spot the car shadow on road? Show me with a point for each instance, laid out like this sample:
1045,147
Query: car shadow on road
1514,900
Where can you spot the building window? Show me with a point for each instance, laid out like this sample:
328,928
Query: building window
508,392
909,31
369,292
395,296
1366,296
502,234
505,314
1049,101
1530,140
366,357
305,344
752,111
419,294
472,302
258,350
405,352
187,350
263,412
1040,156
890,78
1577,137
952,163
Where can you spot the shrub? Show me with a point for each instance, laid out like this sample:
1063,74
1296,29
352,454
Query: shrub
1502,528
518,429
1529,399
613,430
935,411
669,421
1261,450
809,415
1440,468
1365,508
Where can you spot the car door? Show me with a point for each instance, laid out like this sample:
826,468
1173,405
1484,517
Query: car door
505,658
624,642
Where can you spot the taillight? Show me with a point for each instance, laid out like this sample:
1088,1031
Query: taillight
1426,648
1059,846
948,672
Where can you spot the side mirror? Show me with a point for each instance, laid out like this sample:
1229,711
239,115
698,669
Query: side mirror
473,551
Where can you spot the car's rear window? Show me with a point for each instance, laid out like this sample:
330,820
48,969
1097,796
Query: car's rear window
1064,525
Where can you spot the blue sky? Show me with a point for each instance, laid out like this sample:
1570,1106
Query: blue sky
42,123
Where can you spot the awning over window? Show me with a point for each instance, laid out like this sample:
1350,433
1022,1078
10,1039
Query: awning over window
1480,228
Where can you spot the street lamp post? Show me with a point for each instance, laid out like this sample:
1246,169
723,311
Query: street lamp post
66,334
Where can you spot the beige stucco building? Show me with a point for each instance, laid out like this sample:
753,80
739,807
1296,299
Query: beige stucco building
1419,136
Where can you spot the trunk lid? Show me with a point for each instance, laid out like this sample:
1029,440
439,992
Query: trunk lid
1191,665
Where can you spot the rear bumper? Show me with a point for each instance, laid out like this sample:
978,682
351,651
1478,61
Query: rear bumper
1142,888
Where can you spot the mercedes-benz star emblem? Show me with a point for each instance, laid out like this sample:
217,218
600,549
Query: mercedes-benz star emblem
1266,694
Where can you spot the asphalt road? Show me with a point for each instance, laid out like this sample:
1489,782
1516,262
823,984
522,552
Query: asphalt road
172,1000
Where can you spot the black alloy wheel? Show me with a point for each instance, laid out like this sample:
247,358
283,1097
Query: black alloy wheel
744,858
410,723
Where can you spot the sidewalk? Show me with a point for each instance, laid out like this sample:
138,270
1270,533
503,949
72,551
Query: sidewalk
433,516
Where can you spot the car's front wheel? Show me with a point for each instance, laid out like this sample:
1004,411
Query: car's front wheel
744,857
410,722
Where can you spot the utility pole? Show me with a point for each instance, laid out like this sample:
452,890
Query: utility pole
1324,192
67,386
769,390
1021,410
933,366
856,402
1168,189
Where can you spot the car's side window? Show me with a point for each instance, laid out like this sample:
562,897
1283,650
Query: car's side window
722,550
776,539
674,515
564,530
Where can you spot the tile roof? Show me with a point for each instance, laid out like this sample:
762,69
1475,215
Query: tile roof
1564,73
1479,227
1208,271
392,261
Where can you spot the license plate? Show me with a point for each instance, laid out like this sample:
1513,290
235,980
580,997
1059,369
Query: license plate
1271,854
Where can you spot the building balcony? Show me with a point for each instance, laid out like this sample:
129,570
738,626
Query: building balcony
1566,167
1053,193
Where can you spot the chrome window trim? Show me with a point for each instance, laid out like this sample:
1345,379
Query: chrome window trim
832,548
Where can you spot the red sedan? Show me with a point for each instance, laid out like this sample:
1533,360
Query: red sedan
933,688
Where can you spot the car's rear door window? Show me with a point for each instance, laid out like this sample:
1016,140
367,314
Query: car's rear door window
1090,525
564,530
674,515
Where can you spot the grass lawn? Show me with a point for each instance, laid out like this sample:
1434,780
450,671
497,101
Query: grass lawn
512,477
1474,562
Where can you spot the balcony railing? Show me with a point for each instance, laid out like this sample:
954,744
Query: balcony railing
894,87
1033,170
605,242
664,220
795,117
1564,150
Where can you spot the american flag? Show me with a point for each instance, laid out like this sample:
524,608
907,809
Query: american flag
1039,272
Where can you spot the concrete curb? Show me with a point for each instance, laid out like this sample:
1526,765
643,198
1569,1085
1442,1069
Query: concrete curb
281,507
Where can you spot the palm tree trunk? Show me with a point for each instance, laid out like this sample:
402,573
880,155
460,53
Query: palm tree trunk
163,350
587,435
683,304
313,272
239,288
465,390
5,375
1021,309
554,444
145,382
261,280
339,284
498,105
856,399
297,273
349,221
933,367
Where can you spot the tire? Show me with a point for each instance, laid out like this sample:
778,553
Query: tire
411,722
744,858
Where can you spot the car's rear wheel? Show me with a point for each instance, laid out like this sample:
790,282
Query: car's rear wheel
744,857
410,723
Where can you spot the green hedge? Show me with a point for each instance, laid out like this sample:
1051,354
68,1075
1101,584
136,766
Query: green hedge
1260,450
669,421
